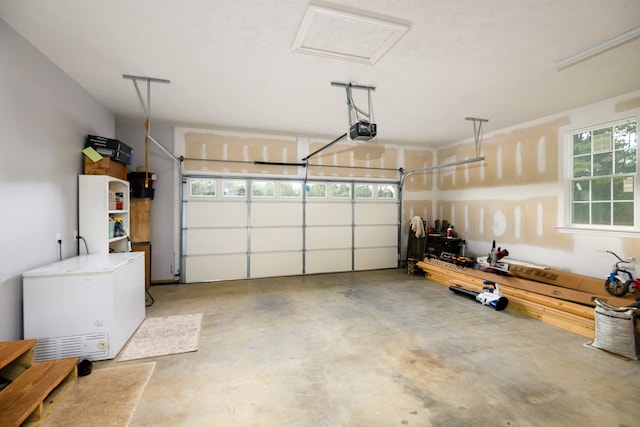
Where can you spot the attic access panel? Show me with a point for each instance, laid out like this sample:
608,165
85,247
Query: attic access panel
346,35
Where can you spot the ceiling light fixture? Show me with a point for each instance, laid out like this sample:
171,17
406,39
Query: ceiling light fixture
609,44
347,35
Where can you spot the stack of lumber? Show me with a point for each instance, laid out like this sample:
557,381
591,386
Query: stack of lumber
567,302
34,389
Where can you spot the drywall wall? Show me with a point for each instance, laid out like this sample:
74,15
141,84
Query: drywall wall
45,117
164,261
516,196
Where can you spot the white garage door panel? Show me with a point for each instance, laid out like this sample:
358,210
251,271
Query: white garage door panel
368,236
328,261
376,213
328,237
277,213
216,241
215,267
277,264
328,214
254,236
276,239
217,214
375,258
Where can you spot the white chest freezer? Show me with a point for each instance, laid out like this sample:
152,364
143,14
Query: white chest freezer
86,306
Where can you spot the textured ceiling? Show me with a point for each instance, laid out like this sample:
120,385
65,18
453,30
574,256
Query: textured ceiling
231,63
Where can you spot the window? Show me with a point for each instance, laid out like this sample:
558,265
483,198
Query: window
386,191
234,188
341,191
603,175
317,190
263,189
364,191
203,187
290,189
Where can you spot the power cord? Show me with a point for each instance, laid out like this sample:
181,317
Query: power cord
60,249
85,244
150,300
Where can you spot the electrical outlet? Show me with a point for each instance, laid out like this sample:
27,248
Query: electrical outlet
58,237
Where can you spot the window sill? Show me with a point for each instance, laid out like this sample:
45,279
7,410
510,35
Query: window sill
634,234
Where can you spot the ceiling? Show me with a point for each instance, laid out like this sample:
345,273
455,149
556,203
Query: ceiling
231,65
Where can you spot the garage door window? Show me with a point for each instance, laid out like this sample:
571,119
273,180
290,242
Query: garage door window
317,190
291,189
341,191
386,191
234,188
202,187
263,189
364,191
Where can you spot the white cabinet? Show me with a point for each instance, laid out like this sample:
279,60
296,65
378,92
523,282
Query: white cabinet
101,198
86,306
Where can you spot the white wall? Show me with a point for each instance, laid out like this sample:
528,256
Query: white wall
164,259
44,118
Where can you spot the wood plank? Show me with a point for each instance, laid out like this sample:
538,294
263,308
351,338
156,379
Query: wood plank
24,399
554,291
15,357
550,319
571,316
574,312
567,321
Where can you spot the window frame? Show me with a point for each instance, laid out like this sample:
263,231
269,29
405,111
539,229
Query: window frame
207,196
566,218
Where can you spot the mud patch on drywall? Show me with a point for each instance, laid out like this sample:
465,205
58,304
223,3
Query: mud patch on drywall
421,208
354,160
416,160
523,156
627,105
211,152
630,247
530,221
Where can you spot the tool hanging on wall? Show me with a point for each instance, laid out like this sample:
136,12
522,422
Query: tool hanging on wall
146,107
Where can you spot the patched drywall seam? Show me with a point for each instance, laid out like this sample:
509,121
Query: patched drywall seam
531,221
353,160
513,161
627,105
520,157
217,153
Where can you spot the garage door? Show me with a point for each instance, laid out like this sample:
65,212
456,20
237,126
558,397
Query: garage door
250,228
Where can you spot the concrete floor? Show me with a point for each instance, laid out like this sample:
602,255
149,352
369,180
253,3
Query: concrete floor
379,348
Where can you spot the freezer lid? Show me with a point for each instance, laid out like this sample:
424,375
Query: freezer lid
85,264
